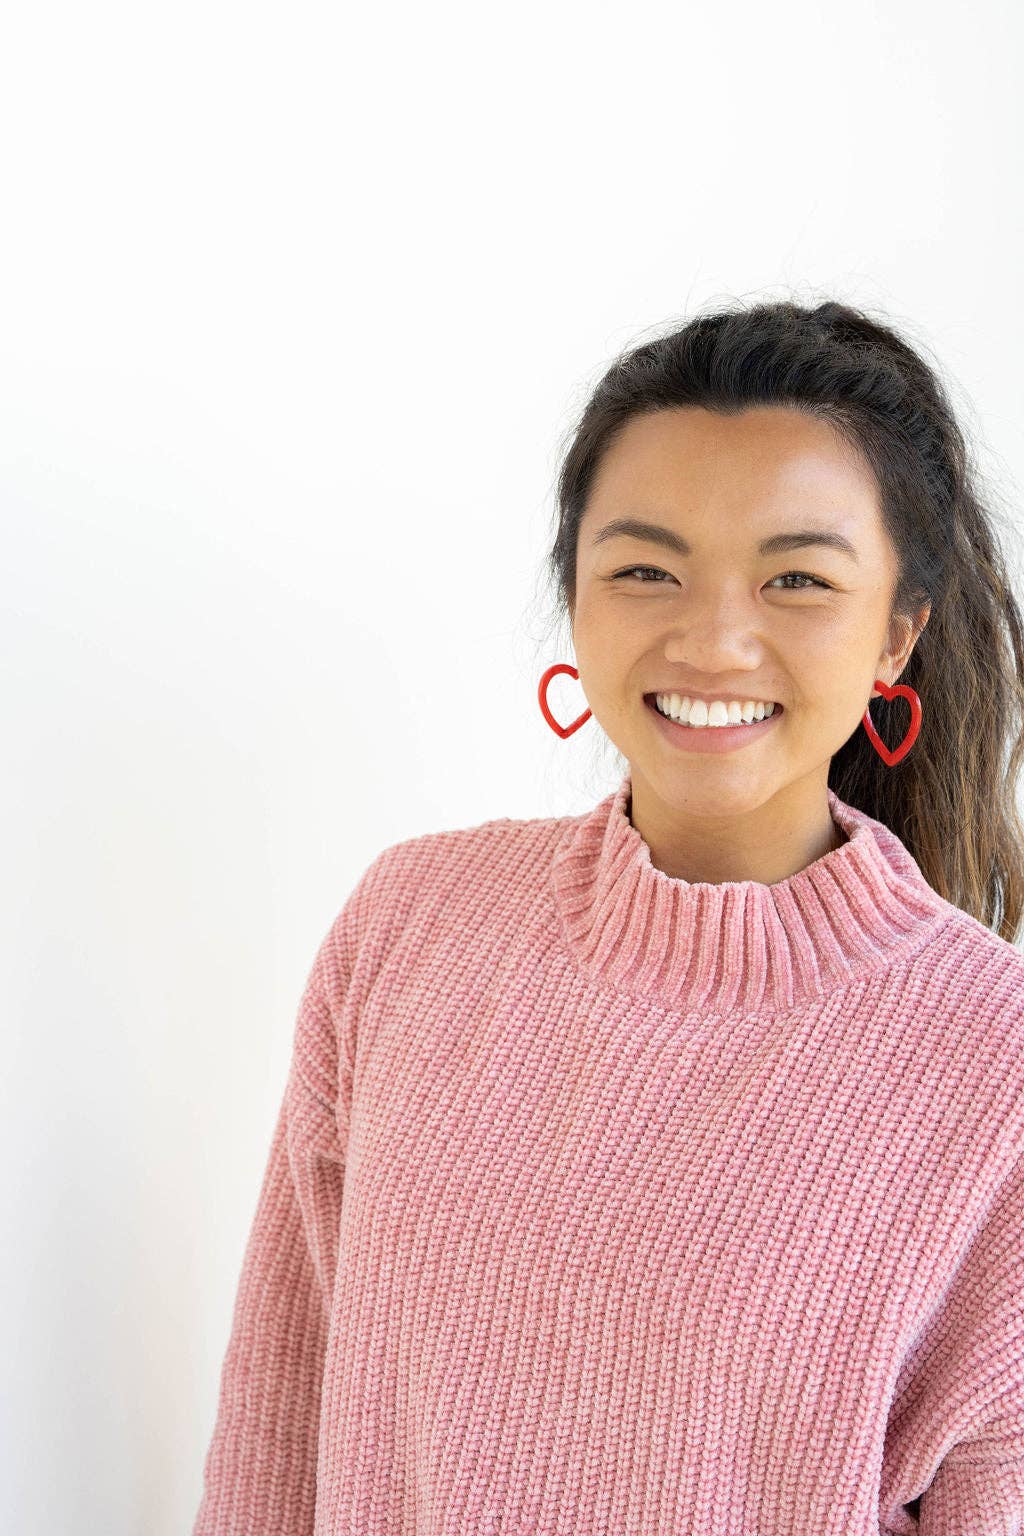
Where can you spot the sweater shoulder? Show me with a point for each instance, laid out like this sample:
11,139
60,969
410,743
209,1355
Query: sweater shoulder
502,849
977,973
435,869
978,948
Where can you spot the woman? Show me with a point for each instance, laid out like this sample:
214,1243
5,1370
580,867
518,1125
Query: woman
682,1142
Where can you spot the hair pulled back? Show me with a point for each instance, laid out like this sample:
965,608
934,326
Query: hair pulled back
952,800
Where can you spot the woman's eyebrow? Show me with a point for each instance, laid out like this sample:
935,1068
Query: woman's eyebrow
775,544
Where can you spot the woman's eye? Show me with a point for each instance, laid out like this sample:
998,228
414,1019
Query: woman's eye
800,575
629,571
803,576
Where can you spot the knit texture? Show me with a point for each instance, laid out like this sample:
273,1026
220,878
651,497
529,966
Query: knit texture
602,1202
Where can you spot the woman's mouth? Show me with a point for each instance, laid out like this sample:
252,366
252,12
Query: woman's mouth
711,738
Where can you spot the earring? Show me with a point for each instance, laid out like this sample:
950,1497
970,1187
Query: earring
542,694
898,690
902,691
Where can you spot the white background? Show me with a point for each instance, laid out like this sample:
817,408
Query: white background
296,305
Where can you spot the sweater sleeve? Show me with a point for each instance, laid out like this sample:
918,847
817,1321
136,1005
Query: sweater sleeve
966,1432
259,1476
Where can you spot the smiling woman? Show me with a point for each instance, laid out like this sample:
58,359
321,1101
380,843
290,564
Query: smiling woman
661,1168
728,446
724,621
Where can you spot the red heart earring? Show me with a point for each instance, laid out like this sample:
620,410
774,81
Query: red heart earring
542,694
900,690
903,691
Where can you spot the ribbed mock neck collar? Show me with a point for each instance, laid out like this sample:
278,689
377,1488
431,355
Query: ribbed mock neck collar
737,946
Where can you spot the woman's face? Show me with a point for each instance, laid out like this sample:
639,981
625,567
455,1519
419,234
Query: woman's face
720,616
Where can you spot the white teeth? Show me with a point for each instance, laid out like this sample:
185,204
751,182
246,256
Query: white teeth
716,714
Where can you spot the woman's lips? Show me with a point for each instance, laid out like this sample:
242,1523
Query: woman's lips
711,738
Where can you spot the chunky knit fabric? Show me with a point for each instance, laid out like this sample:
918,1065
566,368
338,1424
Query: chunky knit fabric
602,1202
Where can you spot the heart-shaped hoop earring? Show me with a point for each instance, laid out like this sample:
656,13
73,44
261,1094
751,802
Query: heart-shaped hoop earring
903,691
898,690
542,694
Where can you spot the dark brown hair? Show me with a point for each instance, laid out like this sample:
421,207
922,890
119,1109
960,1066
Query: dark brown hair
952,800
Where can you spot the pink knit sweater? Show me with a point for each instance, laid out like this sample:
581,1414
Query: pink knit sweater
600,1202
